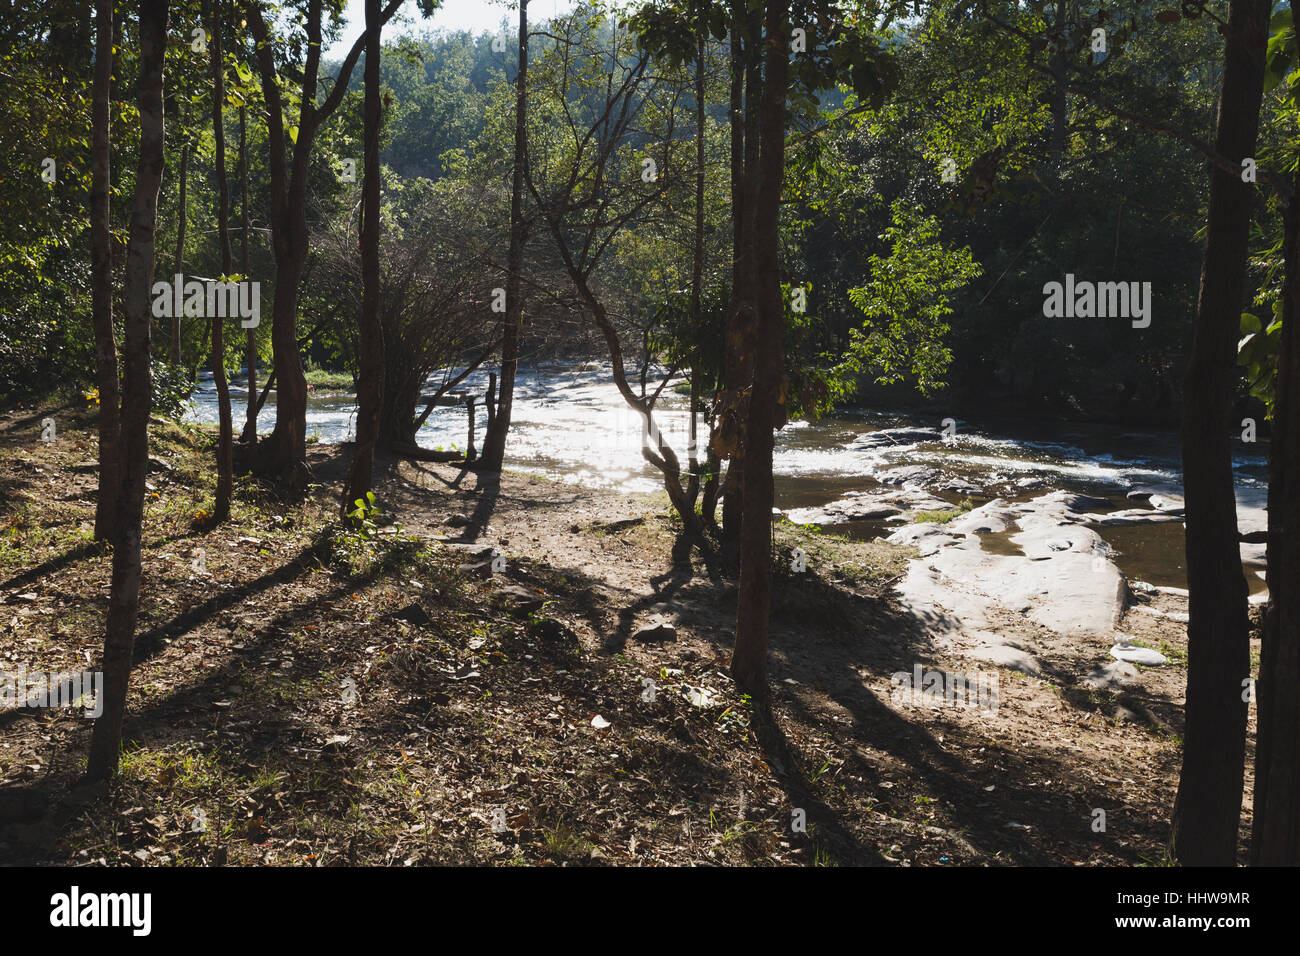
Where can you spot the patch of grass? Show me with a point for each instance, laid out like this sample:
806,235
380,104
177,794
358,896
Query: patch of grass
837,556
1173,652
325,381
563,844
945,515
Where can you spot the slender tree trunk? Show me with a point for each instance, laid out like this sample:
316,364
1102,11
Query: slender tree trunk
283,453
250,344
101,252
697,274
717,485
1207,810
225,437
175,355
286,447
370,393
749,660
1276,837
494,440
137,397
742,316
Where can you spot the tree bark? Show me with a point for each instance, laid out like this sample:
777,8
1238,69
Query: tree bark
178,268
697,275
749,660
1207,810
742,317
371,387
494,440
1275,840
250,343
101,253
124,591
225,436
283,453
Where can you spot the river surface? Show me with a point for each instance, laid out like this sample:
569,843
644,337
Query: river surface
571,424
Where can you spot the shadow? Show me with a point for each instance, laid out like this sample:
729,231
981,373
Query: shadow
825,828
155,639
53,564
12,490
11,428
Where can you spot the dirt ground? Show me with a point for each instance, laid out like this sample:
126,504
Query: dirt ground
529,672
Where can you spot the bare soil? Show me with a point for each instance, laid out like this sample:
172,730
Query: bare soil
308,696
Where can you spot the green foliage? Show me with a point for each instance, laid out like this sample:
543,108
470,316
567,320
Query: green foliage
906,304
172,385
367,535
362,517
1257,354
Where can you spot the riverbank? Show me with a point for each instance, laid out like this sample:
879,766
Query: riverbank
540,653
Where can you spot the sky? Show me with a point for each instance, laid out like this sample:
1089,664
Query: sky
473,15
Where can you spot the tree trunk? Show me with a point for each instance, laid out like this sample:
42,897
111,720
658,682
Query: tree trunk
178,269
1207,810
250,344
697,275
124,591
742,317
1276,837
283,453
749,660
494,441
225,438
370,392
400,396
101,251
286,447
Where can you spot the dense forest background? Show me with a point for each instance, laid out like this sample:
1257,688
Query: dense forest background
1121,202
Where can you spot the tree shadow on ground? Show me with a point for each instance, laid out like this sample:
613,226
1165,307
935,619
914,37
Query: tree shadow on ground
839,642
38,813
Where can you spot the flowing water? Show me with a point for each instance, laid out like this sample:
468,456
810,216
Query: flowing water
571,424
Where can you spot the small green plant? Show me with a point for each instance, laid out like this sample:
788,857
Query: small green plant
362,529
362,516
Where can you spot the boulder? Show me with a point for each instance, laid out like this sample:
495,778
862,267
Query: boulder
889,437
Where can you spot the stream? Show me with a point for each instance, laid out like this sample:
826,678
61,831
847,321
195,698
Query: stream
570,423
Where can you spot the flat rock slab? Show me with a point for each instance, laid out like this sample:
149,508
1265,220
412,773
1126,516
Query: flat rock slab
869,505
927,537
1254,555
464,549
889,437
1064,580
1180,616
909,475
1130,516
